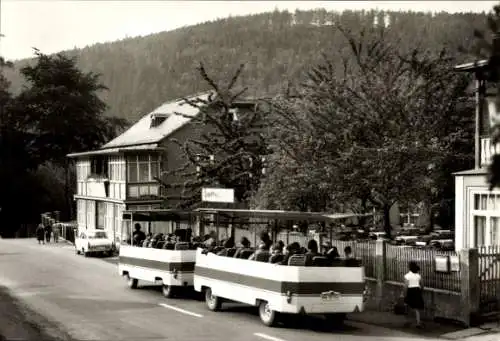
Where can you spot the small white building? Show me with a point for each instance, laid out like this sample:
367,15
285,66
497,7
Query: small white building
477,209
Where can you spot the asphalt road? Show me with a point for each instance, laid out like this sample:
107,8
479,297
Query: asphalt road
86,298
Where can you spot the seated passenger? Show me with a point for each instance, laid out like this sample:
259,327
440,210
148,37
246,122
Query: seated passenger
292,249
169,244
276,254
265,239
281,246
262,253
146,241
138,236
210,248
210,238
326,246
245,246
349,259
332,254
312,251
156,238
228,244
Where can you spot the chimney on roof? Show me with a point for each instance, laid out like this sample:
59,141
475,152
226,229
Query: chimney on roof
157,119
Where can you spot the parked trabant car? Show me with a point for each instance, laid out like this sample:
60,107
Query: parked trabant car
90,242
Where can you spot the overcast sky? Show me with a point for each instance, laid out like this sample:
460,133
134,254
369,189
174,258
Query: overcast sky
55,25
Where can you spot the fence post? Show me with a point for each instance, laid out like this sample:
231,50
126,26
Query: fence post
380,258
469,285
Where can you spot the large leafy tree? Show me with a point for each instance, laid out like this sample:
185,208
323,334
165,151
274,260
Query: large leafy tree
57,112
61,104
17,161
229,148
384,123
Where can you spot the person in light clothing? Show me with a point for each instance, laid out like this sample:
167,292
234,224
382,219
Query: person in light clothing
413,289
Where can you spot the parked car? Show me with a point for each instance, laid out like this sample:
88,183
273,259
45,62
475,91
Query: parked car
93,242
406,240
442,234
378,235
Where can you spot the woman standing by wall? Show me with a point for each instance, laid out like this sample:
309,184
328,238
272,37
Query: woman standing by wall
413,292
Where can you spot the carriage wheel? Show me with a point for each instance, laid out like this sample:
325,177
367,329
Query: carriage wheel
268,316
214,303
168,291
132,282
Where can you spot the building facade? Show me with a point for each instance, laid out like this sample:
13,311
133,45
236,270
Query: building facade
477,209
122,174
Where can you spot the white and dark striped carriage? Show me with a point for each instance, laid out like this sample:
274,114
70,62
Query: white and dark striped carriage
321,287
172,267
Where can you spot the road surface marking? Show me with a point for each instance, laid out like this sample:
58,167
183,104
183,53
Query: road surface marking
267,337
187,312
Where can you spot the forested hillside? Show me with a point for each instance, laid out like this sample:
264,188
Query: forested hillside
143,72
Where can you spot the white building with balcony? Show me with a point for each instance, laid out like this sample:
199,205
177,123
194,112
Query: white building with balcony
122,174
477,209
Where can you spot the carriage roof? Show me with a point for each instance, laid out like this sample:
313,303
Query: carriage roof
167,214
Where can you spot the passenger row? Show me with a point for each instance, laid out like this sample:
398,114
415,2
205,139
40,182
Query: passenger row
293,254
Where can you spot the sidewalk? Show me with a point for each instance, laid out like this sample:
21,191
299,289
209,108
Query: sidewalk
18,322
487,332
445,331
391,321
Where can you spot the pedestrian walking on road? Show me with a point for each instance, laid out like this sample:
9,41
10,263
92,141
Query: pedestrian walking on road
55,233
413,293
48,232
40,234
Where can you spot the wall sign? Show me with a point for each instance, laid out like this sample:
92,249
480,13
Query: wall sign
454,263
221,195
442,263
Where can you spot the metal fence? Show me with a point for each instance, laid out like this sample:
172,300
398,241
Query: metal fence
67,232
364,250
397,260
489,278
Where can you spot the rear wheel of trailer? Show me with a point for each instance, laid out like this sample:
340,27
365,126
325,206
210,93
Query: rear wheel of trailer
168,291
131,282
213,302
268,316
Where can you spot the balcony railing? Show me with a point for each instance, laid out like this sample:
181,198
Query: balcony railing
487,151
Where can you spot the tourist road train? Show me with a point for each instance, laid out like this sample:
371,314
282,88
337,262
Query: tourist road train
301,285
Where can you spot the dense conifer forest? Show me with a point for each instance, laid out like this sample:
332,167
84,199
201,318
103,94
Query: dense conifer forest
143,72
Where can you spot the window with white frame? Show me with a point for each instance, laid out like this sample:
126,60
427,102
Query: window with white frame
101,214
109,216
90,222
81,214
117,168
485,218
143,168
118,211
494,231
